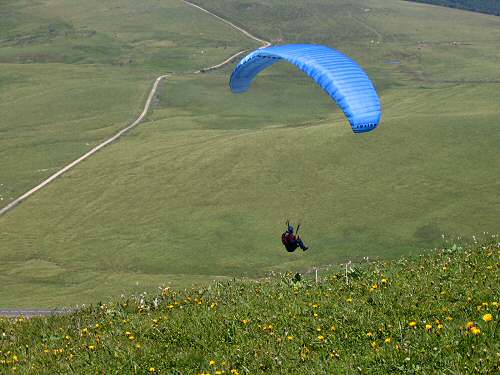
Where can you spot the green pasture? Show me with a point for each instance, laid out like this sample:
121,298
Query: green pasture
72,73
201,190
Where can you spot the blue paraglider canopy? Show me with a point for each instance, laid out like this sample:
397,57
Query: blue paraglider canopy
340,76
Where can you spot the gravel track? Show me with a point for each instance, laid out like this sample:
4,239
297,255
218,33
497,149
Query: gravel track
31,313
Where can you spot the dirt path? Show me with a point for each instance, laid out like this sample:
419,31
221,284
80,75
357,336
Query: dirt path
67,167
264,43
11,313
31,313
141,117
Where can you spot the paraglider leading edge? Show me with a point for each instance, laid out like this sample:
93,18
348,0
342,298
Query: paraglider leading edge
338,75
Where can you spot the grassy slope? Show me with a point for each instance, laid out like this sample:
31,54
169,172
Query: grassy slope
73,73
437,313
200,191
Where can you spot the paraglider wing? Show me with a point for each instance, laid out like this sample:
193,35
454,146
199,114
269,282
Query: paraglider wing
340,76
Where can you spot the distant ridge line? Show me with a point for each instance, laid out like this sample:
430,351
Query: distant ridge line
141,117
469,5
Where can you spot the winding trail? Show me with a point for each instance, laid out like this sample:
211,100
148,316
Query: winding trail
12,313
31,313
264,43
67,167
141,117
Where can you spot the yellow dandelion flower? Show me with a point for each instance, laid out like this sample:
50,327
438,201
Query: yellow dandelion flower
315,315
131,337
334,355
290,338
440,326
234,371
369,334
469,325
318,329
97,326
475,330
304,353
91,347
349,300
321,338
152,370
212,362
428,327
245,321
487,317
268,327
384,281
449,318
333,328
388,340
137,346
412,324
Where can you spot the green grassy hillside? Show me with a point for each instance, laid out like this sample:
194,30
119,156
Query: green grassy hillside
437,313
201,191
73,73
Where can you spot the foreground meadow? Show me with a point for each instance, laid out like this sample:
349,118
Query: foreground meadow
436,313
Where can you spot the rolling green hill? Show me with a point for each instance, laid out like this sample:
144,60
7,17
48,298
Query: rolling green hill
201,191
74,73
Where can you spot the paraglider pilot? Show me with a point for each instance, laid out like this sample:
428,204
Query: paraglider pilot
290,241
